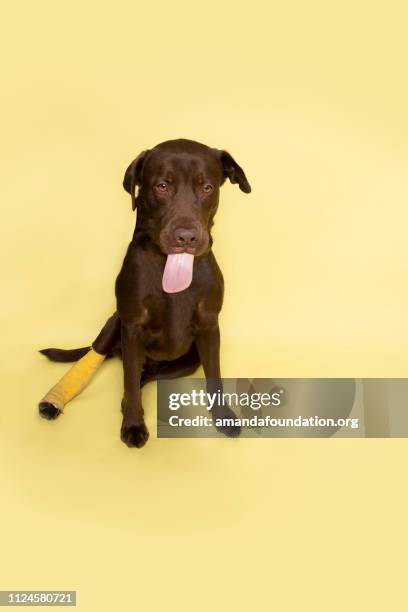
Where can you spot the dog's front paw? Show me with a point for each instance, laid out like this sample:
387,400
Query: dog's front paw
134,435
225,421
48,411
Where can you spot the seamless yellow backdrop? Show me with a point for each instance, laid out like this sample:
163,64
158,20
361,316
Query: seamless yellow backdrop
311,99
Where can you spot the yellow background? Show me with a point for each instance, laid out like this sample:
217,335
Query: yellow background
311,99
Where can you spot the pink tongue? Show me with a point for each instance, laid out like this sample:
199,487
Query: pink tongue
178,272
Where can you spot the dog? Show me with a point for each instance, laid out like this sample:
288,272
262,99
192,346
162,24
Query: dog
169,291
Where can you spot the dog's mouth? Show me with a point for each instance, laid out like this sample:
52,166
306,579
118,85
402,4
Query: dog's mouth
177,250
178,270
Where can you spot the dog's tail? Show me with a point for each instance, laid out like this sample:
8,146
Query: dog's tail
107,343
63,355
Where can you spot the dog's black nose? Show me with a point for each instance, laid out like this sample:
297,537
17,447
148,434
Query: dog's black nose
185,237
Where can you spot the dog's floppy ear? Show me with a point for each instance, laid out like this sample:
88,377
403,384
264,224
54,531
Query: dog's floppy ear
133,176
234,172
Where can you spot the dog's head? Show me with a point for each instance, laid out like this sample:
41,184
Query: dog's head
178,184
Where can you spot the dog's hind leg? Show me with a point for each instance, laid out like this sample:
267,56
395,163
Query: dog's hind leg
80,374
108,341
183,366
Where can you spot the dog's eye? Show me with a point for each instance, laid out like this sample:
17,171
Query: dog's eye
207,188
162,187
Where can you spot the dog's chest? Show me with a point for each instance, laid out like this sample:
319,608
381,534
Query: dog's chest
170,326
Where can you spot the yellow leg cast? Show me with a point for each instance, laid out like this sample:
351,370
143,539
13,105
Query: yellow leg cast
74,381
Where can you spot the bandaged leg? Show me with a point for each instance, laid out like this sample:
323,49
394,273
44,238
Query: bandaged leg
71,384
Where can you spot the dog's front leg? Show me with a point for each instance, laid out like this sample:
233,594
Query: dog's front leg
134,431
208,345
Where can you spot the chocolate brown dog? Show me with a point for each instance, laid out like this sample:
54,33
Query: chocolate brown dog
170,289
